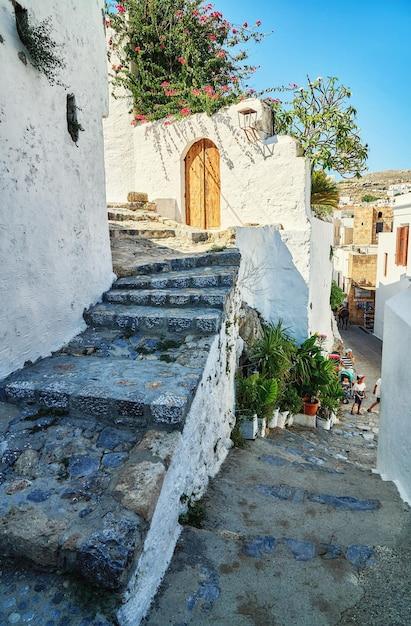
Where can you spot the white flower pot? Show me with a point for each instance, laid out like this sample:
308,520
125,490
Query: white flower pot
249,427
324,423
282,418
290,420
273,421
262,426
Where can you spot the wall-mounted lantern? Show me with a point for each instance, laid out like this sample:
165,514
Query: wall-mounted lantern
247,120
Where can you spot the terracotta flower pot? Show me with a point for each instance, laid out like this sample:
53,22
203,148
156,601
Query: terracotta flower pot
310,408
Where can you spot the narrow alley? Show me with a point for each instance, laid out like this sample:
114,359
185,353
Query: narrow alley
297,531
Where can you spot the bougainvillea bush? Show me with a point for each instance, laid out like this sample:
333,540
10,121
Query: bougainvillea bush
178,57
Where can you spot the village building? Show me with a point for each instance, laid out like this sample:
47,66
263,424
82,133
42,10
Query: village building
230,170
55,249
356,233
394,259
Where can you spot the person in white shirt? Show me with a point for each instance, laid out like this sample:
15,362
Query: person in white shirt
377,394
359,394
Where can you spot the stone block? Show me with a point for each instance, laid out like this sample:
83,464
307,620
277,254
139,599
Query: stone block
160,444
137,196
138,487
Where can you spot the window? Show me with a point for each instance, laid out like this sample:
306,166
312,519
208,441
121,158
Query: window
385,263
379,227
401,253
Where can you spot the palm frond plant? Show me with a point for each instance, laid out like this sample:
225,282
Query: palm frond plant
324,194
256,395
272,353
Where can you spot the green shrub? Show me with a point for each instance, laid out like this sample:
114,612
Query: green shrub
337,296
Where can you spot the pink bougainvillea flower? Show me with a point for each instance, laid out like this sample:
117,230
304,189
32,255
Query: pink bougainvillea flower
225,88
120,8
196,92
170,92
209,90
140,117
137,49
212,37
234,31
165,83
221,54
133,122
182,60
185,111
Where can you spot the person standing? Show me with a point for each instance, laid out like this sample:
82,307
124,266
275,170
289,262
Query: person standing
377,394
359,394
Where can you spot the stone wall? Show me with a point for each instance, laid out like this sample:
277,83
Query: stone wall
394,459
54,253
262,182
365,223
363,269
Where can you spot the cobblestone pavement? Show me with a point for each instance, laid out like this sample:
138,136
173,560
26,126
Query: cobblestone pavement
298,531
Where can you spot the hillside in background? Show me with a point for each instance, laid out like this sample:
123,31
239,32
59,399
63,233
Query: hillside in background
373,184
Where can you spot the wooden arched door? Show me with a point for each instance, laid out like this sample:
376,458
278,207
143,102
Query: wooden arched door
202,185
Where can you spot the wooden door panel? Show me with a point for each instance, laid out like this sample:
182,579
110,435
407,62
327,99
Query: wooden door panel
195,186
212,186
202,185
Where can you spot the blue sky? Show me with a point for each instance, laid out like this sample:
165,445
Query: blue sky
366,43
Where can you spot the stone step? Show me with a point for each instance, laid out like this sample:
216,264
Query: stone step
212,297
77,495
135,392
152,232
126,215
197,278
184,321
229,257
133,206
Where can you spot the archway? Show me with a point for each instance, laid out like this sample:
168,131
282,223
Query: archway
203,185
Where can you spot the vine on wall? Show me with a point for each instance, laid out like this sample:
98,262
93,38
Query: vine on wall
42,49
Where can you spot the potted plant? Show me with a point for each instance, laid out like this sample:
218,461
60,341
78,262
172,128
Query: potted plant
255,397
311,372
330,402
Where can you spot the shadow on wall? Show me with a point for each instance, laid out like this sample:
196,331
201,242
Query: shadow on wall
269,278
174,139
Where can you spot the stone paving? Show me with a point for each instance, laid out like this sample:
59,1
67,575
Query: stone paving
87,436
297,531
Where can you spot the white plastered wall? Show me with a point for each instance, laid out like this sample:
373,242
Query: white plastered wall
391,278
320,279
262,182
54,244
394,443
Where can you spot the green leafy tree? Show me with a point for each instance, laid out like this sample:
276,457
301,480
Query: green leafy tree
369,198
324,194
324,123
337,296
178,57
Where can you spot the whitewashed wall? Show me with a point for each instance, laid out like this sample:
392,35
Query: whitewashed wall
54,244
394,444
397,277
200,452
265,182
286,275
320,279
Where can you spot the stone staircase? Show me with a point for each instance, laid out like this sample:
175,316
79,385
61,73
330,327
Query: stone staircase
100,441
140,219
